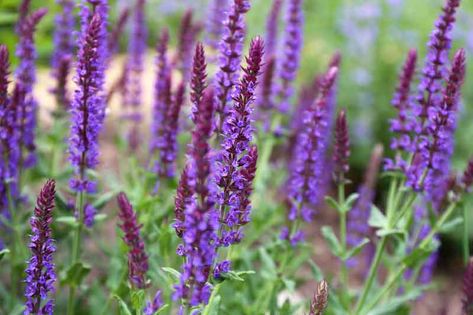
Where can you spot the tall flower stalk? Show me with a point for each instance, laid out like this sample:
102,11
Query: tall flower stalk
25,79
306,178
137,258
40,272
231,47
236,166
87,115
200,218
64,45
292,52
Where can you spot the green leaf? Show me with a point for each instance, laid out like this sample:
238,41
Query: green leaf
123,308
395,303
100,217
213,307
162,309
289,284
75,274
269,267
333,203
138,299
386,232
377,218
356,250
450,225
103,200
316,271
4,253
68,220
332,241
232,275
419,254
173,272
246,272
350,201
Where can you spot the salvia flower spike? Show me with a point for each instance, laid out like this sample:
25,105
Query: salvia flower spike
137,258
187,35
200,219
237,154
64,45
292,52
467,178
272,28
40,272
342,147
9,149
306,178
320,299
231,47
117,32
198,78
25,79
403,125
87,107
214,26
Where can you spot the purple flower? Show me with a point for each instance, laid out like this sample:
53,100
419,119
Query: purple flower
467,178
25,79
89,215
137,258
9,149
293,41
199,78
222,268
87,107
430,87
117,31
184,200
61,60
165,113
215,25
357,227
272,28
136,51
237,161
154,305
404,124
200,218
467,301
187,36
40,273
341,152
306,178
231,47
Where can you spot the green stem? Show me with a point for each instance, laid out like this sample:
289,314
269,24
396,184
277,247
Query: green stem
343,232
466,235
387,287
76,249
372,274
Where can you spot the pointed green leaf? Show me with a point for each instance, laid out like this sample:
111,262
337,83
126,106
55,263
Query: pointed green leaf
173,272
356,250
68,220
351,201
333,203
122,307
332,241
138,299
4,253
377,218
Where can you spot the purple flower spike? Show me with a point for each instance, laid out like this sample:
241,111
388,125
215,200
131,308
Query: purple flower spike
231,47
404,124
467,301
272,28
116,33
265,100
40,273
436,147
187,36
137,258
87,107
136,49
199,78
61,61
200,218
153,306
215,26
467,178
25,78
237,166
342,148
307,171
292,52
9,148
184,199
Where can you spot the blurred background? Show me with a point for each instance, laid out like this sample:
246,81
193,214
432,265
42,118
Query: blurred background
373,37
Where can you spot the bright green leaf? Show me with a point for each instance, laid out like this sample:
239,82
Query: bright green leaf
173,272
377,218
68,220
332,241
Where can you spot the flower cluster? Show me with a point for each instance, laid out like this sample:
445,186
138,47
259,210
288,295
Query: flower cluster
309,157
40,273
237,161
25,78
137,258
341,148
153,306
292,52
61,60
231,47
87,107
200,219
